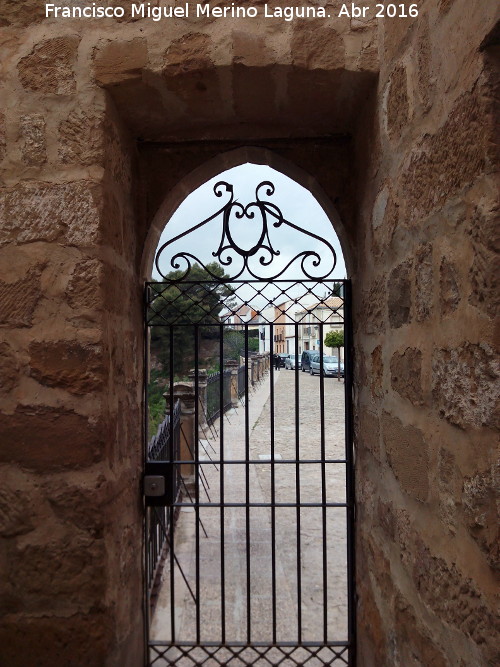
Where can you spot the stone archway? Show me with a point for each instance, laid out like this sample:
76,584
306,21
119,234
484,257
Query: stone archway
402,147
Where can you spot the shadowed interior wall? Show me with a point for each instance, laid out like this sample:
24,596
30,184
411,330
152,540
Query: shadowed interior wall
101,120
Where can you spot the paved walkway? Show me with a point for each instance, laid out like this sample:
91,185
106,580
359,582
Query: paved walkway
317,600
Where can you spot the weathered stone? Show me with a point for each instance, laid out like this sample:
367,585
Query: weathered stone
445,5
449,292
408,455
3,140
377,372
481,503
21,14
83,290
42,438
49,66
385,221
424,282
397,102
406,375
67,365
369,433
465,385
50,212
118,61
9,367
19,299
249,49
417,645
81,138
188,54
455,599
321,48
34,149
426,82
79,566
79,639
399,295
16,513
374,313
484,273
446,161
80,506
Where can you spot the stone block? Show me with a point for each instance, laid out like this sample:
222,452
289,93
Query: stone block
37,211
21,14
83,291
424,282
49,67
16,512
444,162
368,433
33,147
190,53
377,372
397,102
117,61
81,138
456,600
44,438
80,505
374,312
484,272
406,375
67,365
75,640
416,645
408,455
18,301
249,49
481,503
9,368
465,385
321,47
449,294
3,139
399,295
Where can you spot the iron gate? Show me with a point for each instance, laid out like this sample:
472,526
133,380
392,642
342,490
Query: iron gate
256,503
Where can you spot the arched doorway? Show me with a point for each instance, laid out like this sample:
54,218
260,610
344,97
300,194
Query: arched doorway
249,480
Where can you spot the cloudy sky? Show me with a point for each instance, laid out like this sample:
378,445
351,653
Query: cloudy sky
296,203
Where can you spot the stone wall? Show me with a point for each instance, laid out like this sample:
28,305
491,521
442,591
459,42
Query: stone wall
427,371
394,125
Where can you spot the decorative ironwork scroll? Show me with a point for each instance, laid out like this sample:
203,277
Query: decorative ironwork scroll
315,264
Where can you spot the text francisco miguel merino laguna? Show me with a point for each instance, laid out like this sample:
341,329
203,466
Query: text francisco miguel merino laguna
142,10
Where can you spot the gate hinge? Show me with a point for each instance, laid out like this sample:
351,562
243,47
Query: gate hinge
158,483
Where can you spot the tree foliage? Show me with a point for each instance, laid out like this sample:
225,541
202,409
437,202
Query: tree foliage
178,307
335,338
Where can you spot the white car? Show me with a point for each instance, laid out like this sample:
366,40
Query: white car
330,366
291,362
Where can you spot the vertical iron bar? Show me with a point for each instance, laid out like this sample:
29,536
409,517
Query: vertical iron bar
146,526
350,481
221,472
247,486
172,458
297,500
323,484
197,478
273,487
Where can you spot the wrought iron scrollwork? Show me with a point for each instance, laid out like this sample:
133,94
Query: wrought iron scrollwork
314,264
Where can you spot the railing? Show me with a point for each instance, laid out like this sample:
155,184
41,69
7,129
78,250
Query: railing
164,446
213,395
241,381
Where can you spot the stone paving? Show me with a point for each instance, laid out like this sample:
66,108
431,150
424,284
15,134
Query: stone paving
316,599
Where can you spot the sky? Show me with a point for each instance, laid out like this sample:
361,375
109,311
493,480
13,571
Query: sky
296,203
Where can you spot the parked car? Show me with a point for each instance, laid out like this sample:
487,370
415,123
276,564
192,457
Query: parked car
330,366
283,357
305,361
291,362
